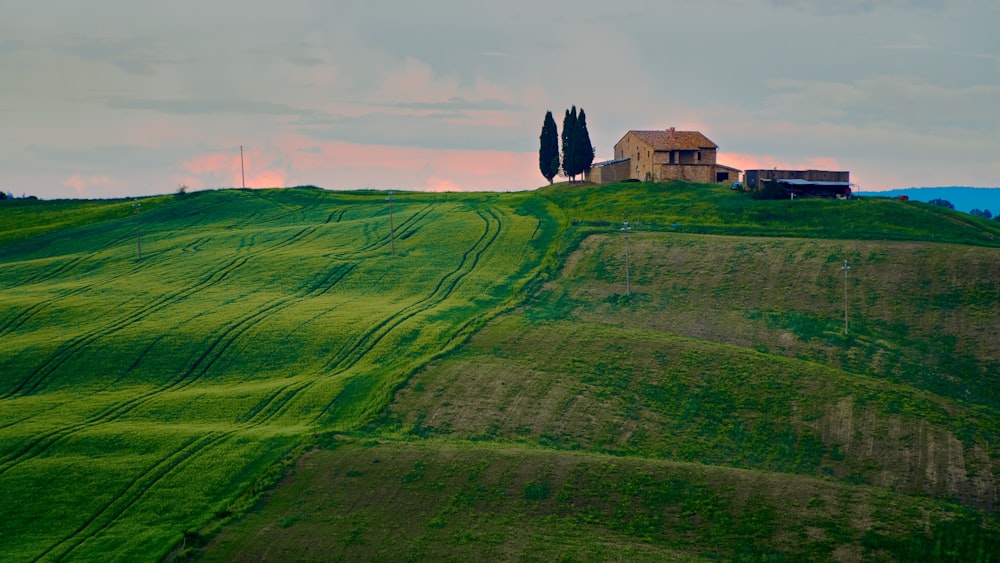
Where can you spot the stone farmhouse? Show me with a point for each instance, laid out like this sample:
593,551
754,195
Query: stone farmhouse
663,155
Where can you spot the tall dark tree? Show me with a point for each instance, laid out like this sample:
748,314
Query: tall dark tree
569,144
584,150
548,150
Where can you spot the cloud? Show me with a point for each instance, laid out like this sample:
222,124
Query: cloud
197,106
914,101
901,92
426,129
82,183
258,168
132,55
11,45
341,165
458,103
855,7
762,162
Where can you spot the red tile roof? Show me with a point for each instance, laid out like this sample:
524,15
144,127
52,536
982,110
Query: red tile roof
666,140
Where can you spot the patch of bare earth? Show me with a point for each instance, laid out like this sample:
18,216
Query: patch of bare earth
908,455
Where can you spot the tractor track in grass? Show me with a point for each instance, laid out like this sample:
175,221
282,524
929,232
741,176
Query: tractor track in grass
138,487
444,288
201,365
435,297
269,407
47,274
296,238
408,226
65,351
128,496
215,351
339,213
281,398
44,275
231,332
20,318
196,244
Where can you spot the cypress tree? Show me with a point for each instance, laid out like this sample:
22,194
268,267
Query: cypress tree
548,150
569,144
584,150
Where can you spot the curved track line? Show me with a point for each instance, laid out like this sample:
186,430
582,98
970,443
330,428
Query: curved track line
71,347
278,401
201,365
129,496
441,292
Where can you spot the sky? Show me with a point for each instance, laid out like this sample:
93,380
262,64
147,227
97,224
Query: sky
116,98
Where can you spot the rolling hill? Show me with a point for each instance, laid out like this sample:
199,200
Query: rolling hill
487,389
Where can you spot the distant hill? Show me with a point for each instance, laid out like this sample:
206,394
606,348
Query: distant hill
963,198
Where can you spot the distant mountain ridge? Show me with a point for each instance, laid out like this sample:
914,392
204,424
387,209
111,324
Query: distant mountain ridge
963,198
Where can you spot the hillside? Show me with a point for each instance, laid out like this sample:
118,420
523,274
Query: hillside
490,390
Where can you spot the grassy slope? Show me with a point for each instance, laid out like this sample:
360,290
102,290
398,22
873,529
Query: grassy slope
147,395
236,339
730,352
475,501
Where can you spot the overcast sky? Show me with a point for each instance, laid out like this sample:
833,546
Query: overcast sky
110,98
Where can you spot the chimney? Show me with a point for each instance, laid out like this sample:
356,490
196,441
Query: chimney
671,132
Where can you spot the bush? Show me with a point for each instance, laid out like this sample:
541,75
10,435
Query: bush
770,190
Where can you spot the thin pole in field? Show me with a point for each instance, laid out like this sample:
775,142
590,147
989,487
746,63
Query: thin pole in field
392,237
243,173
845,268
138,239
628,282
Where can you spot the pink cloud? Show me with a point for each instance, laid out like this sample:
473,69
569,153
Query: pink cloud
436,184
298,160
262,169
213,163
342,165
268,179
81,183
761,162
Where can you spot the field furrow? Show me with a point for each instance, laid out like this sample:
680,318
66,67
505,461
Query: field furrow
128,496
65,351
203,363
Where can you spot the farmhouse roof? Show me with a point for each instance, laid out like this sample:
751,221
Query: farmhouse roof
798,182
671,140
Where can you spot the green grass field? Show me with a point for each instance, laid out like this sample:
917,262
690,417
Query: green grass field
490,391
141,397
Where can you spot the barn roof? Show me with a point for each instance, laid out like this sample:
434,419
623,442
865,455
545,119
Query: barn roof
798,182
670,140
608,162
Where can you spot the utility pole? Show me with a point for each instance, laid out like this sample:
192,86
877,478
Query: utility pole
392,236
243,173
138,239
845,268
628,283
